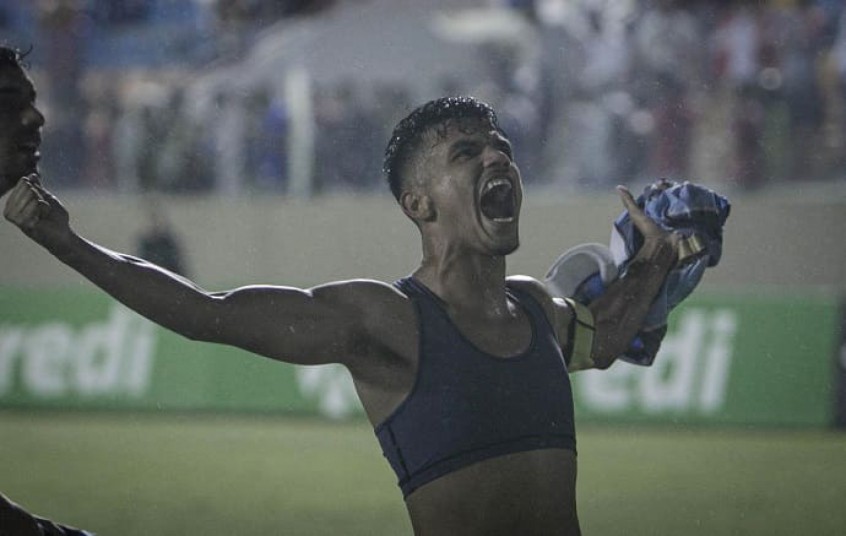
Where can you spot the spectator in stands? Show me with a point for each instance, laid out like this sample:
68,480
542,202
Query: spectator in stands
345,144
98,129
737,42
120,12
185,158
267,140
228,129
63,26
158,242
801,47
668,59
839,61
600,63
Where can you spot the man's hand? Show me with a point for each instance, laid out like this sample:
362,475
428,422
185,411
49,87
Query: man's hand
38,213
654,237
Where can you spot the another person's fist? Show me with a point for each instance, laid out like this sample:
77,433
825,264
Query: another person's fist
36,211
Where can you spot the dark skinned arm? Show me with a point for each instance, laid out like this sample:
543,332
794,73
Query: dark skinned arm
619,313
325,324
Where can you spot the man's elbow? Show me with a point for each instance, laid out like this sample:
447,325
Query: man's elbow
605,352
602,362
589,364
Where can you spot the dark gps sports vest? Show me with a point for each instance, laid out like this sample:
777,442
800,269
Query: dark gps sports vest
467,406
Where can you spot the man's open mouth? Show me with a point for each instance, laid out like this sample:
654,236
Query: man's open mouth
497,201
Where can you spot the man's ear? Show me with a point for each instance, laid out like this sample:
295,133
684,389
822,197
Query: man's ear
417,206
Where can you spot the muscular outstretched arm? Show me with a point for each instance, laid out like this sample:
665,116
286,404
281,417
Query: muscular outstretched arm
319,325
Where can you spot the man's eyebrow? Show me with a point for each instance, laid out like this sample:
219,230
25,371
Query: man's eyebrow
463,143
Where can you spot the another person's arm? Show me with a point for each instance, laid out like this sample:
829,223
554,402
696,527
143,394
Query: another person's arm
16,521
319,325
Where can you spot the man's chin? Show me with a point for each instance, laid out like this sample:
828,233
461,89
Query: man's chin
506,249
501,239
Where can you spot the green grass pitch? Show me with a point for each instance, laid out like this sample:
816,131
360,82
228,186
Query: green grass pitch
142,474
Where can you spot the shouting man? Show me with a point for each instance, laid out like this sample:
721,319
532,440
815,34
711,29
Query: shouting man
462,371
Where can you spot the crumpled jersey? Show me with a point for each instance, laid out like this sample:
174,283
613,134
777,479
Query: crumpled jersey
695,212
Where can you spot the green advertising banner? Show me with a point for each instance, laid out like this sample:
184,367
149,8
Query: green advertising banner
81,349
725,359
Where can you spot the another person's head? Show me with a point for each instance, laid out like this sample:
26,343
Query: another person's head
450,167
20,121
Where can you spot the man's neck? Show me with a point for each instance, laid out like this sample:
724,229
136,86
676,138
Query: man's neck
466,282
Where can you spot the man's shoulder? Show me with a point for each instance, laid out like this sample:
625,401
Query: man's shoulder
384,315
370,298
556,310
530,285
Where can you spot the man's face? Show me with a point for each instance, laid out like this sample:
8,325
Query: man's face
20,127
469,173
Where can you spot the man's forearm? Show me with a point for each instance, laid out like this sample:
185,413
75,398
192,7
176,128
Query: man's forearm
165,298
620,311
161,296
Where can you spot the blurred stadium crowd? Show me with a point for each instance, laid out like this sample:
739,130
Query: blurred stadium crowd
592,92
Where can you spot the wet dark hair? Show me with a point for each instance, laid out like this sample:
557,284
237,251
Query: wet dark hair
13,57
409,132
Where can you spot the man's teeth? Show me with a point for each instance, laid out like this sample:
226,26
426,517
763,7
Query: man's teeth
497,201
494,183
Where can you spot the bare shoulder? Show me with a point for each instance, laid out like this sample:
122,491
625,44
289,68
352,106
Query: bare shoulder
364,294
532,286
556,309
380,306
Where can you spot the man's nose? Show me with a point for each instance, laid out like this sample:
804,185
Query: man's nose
33,118
494,157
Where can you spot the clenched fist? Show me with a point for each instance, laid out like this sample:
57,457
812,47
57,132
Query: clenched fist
37,212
